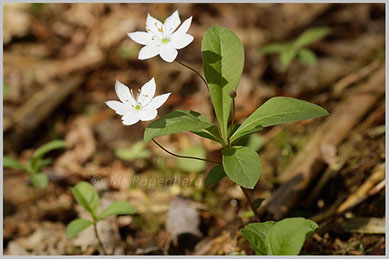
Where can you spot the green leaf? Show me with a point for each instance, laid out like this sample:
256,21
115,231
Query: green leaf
279,110
39,180
174,122
243,140
258,202
215,175
117,208
245,133
287,55
211,133
311,35
242,165
206,134
287,236
87,197
29,168
306,57
223,61
136,151
9,162
256,234
41,151
191,165
273,48
76,226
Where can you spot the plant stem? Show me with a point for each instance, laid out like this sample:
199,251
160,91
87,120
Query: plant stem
189,157
98,238
202,78
246,194
232,120
171,153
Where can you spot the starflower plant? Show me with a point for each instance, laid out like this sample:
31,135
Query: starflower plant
143,107
163,39
223,62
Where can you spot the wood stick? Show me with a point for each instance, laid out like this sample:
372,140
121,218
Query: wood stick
37,109
307,164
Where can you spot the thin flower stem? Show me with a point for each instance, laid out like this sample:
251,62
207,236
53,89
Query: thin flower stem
246,194
188,157
98,238
202,78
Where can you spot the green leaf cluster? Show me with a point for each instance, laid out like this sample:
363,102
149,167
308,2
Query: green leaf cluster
87,197
223,60
285,237
297,48
36,163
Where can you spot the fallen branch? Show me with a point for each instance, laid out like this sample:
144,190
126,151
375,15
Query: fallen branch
308,164
367,189
365,225
38,108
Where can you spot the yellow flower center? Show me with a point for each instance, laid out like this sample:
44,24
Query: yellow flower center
137,107
165,40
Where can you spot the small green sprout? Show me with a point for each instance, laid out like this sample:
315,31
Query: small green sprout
87,197
36,163
296,48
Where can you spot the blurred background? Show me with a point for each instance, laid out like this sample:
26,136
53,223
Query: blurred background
61,62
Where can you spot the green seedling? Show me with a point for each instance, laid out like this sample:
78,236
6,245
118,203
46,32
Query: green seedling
297,48
88,198
36,163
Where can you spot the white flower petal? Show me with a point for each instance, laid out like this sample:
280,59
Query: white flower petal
131,117
148,51
182,42
118,107
141,37
171,23
147,114
168,53
158,101
123,93
154,26
147,92
182,30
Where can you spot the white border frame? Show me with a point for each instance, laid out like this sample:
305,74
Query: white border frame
200,1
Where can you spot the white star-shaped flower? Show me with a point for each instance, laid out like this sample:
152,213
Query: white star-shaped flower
163,39
143,107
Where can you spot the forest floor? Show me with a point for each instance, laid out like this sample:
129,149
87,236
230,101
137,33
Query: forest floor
61,62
